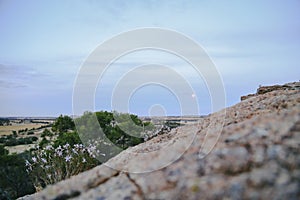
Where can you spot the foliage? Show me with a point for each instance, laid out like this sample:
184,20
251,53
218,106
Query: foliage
50,165
30,133
70,138
53,161
121,129
3,151
47,133
14,181
172,124
4,122
43,143
63,124
12,140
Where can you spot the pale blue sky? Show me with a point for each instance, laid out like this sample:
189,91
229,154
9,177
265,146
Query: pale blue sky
43,44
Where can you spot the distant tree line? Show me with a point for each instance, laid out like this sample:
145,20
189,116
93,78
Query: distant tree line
4,122
12,140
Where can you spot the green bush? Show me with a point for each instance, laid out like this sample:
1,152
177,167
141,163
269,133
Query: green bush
44,142
63,124
30,133
53,164
47,133
12,141
14,180
121,129
70,138
3,151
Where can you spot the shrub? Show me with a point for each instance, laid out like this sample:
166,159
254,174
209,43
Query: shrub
47,133
14,181
70,138
63,124
30,133
43,143
50,165
3,151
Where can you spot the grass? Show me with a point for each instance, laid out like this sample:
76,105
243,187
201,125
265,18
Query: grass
19,148
7,130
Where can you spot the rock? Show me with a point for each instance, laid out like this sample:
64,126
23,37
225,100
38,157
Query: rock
257,157
266,89
229,160
263,177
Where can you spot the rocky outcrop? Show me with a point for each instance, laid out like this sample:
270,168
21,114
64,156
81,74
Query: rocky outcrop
257,157
266,89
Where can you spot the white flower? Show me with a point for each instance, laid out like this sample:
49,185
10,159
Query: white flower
34,159
74,151
49,147
44,160
68,158
59,153
84,160
27,163
91,149
66,146
59,148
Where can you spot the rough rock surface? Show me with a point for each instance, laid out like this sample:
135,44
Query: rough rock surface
257,157
266,89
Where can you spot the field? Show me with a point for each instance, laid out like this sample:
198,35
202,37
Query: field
7,130
37,127
19,148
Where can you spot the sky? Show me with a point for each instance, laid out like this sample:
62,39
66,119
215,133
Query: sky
43,45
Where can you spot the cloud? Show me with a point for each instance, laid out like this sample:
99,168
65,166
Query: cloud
9,85
19,76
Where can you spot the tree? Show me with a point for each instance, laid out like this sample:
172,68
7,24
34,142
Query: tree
3,151
62,124
14,179
121,129
67,138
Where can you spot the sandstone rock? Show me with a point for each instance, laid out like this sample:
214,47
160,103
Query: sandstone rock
257,157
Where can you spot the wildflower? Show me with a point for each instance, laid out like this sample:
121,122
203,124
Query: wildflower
66,146
91,149
44,160
27,163
59,148
83,160
49,147
59,153
74,151
34,159
68,158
